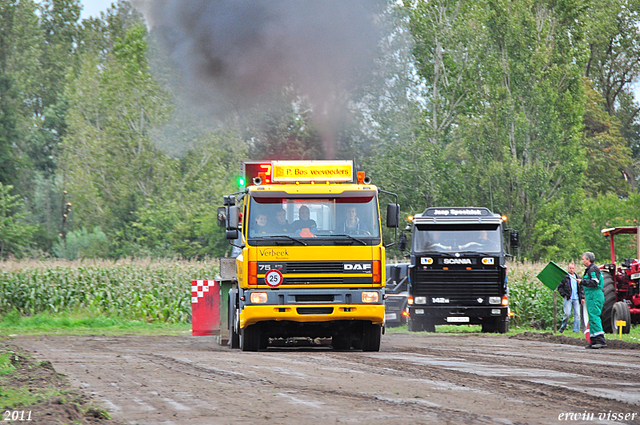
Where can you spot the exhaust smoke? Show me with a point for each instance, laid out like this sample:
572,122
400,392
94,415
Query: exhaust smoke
235,54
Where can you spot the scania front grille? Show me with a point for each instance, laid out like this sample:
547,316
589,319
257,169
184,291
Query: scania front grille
457,285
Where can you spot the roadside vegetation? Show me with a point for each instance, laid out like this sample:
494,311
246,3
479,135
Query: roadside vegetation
110,148
141,290
145,296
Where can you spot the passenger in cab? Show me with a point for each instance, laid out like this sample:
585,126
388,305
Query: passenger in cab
352,224
280,226
260,226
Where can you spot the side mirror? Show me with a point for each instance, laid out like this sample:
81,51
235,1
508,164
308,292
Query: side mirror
232,218
222,217
393,215
231,234
514,240
402,242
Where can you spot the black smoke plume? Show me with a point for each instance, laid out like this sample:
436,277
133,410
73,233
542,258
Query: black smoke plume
236,53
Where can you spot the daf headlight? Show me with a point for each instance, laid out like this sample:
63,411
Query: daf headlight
421,300
494,300
259,297
370,297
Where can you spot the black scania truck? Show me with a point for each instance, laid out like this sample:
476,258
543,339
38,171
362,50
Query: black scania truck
457,273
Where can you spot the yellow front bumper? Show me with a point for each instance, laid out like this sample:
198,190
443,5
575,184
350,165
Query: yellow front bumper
261,313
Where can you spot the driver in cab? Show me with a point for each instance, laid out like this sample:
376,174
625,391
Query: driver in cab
304,226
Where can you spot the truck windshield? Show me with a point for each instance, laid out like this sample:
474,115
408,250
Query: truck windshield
341,218
468,239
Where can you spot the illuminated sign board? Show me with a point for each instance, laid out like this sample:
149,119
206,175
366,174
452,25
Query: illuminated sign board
305,171
456,212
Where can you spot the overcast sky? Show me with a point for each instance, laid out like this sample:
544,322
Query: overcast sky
94,7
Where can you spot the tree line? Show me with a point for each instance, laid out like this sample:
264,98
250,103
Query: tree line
524,107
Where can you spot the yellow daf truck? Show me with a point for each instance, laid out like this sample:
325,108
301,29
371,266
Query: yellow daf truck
310,256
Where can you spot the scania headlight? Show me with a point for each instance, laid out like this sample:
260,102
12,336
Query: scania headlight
421,300
494,300
259,297
370,297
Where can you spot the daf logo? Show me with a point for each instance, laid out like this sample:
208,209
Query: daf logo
456,261
357,267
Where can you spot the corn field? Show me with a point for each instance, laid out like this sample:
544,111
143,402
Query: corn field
531,302
161,290
135,290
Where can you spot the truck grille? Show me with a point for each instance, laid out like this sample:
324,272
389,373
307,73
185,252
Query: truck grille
315,267
457,285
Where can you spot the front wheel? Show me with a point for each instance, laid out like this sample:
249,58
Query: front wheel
341,341
621,312
250,338
371,337
234,337
498,325
426,325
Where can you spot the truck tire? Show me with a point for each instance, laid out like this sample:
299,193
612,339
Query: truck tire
489,326
502,326
621,312
371,337
429,326
609,299
341,341
425,325
234,338
250,338
413,325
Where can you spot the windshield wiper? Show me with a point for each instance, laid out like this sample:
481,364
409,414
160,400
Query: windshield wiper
286,236
352,238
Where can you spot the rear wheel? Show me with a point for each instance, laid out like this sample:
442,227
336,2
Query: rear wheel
371,337
609,291
621,312
250,338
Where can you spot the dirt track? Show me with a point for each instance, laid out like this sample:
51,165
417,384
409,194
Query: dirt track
415,378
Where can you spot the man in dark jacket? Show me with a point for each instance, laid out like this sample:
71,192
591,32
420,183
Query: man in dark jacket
573,295
593,282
